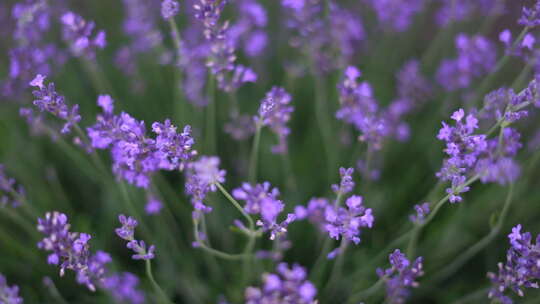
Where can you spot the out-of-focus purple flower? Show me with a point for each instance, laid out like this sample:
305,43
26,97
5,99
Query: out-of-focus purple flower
520,270
254,194
347,222
314,212
79,33
498,165
201,178
400,277
476,57
500,105
71,250
288,285
460,10
463,148
530,17
240,127
140,26
396,15
127,232
411,84
169,9
153,205
421,211
249,30
48,100
9,294
123,288
346,183
11,193
275,111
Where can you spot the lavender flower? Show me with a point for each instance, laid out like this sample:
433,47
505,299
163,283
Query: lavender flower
288,285
530,17
123,288
127,232
400,277
249,31
411,84
270,210
476,58
501,103
169,9
460,10
71,250
78,33
347,222
201,178
275,112
9,294
315,212
10,193
254,194
421,211
346,183
396,15
498,165
48,100
153,205
140,26
463,148
521,269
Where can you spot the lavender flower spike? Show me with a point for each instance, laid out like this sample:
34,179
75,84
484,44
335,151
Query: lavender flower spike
275,112
169,9
127,232
10,194
400,277
346,183
77,32
201,178
9,294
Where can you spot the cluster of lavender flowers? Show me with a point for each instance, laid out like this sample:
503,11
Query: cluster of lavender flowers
79,34
400,277
9,294
275,112
201,178
11,193
127,232
71,251
288,285
521,269
262,199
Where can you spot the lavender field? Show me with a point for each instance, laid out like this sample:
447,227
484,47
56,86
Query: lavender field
269,151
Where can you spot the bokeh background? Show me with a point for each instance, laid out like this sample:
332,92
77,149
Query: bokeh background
59,176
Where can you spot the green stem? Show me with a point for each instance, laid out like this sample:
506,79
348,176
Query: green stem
161,294
366,293
202,245
254,155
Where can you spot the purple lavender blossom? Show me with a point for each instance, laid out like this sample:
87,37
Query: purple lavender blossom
463,148
400,277
275,112
78,33
201,178
520,269
396,15
270,210
153,205
460,10
500,105
530,17
411,84
169,9
347,222
127,232
421,211
10,193
9,294
249,31
48,100
123,288
71,250
140,25
288,285
254,194
476,58
346,183
314,212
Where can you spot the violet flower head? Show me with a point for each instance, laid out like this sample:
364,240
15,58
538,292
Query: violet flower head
270,210
48,100
502,104
459,10
396,15
314,212
254,194
201,178
127,232
70,250
275,112
411,84
248,32
476,58
346,183
530,17
400,277
521,269
9,294
422,210
123,288
79,33
348,222
173,149
288,285
140,25
463,149
169,9
497,163
11,193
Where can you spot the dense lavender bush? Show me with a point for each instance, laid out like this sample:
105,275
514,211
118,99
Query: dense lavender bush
269,152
